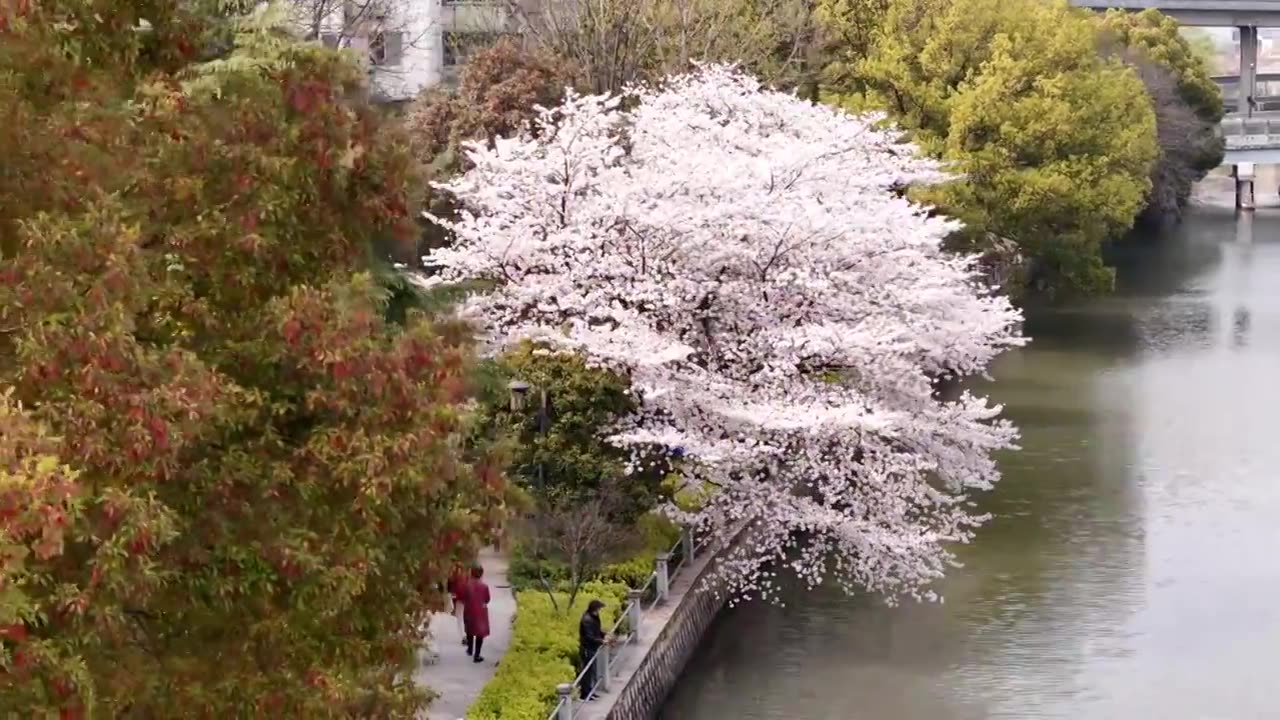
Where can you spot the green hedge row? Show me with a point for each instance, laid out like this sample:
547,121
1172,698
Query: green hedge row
543,652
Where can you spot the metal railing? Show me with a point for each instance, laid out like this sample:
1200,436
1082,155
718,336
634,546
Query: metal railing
1239,133
625,632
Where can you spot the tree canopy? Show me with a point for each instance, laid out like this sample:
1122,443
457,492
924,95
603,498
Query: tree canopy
1159,40
728,249
1187,102
1054,141
584,405
228,486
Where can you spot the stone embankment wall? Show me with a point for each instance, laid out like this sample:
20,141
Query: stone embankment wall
695,601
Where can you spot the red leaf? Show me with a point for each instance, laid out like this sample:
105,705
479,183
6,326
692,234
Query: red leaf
292,331
16,632
159,432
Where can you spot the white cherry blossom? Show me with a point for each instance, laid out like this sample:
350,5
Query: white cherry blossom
749,261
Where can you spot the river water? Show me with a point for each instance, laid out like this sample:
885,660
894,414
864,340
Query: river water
1133,567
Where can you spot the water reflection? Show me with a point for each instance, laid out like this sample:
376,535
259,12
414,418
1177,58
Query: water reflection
1128,572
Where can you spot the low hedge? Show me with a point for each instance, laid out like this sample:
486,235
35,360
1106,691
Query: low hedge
543,652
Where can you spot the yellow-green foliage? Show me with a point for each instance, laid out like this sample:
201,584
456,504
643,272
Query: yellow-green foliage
1157,37
660,535
1053,139
544,648
852,26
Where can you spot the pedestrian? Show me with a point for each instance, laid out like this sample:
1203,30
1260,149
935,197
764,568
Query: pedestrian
590,638
475,613
457,589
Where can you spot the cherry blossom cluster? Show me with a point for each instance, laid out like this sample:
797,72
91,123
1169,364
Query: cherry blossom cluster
749,260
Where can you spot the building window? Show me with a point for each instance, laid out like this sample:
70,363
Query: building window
331,40
458,46
386,48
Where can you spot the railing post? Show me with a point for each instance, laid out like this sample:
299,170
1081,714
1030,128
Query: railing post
565,691
602,667
686,541
635,597
664,579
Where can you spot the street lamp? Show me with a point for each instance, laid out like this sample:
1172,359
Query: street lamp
519,390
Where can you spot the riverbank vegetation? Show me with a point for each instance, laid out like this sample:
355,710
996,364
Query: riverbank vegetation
1188,104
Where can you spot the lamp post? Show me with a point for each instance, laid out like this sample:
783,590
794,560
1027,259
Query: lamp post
519,390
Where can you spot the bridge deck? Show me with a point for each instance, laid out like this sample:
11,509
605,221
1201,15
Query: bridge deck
1207,13
1254,139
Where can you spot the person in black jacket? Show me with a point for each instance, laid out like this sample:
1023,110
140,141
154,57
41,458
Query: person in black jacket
590,637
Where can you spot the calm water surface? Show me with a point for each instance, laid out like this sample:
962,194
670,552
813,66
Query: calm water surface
1133,569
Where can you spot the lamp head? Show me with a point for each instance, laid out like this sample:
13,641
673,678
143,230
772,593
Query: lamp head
518,389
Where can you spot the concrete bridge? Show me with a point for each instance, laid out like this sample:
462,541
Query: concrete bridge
1252,131
1201,13
1266,92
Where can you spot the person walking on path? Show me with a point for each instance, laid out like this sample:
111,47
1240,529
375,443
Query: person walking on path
590,637
452,675
457,588
475,613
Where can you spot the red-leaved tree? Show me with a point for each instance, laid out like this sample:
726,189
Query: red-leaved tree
228,486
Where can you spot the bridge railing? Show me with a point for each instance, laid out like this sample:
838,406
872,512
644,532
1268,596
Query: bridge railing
1240,133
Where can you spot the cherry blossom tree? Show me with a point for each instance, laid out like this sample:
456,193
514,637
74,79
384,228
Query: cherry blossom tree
786,316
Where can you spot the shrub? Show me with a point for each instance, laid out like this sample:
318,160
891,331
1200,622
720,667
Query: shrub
543,652
633,572
658,534
540,627
524,687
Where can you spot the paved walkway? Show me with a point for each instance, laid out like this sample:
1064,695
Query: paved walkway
453,675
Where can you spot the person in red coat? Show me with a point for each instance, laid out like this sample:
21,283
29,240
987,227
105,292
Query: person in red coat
475,613
457,587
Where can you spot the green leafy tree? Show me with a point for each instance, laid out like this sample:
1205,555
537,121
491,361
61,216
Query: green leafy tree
1187,102
229,487
852,28
1054,141
1158,39
1202,45
577,461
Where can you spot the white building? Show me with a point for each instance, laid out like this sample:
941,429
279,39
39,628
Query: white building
412,45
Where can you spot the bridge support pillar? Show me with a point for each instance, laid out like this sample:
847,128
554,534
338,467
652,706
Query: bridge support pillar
1248,70
1243,174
